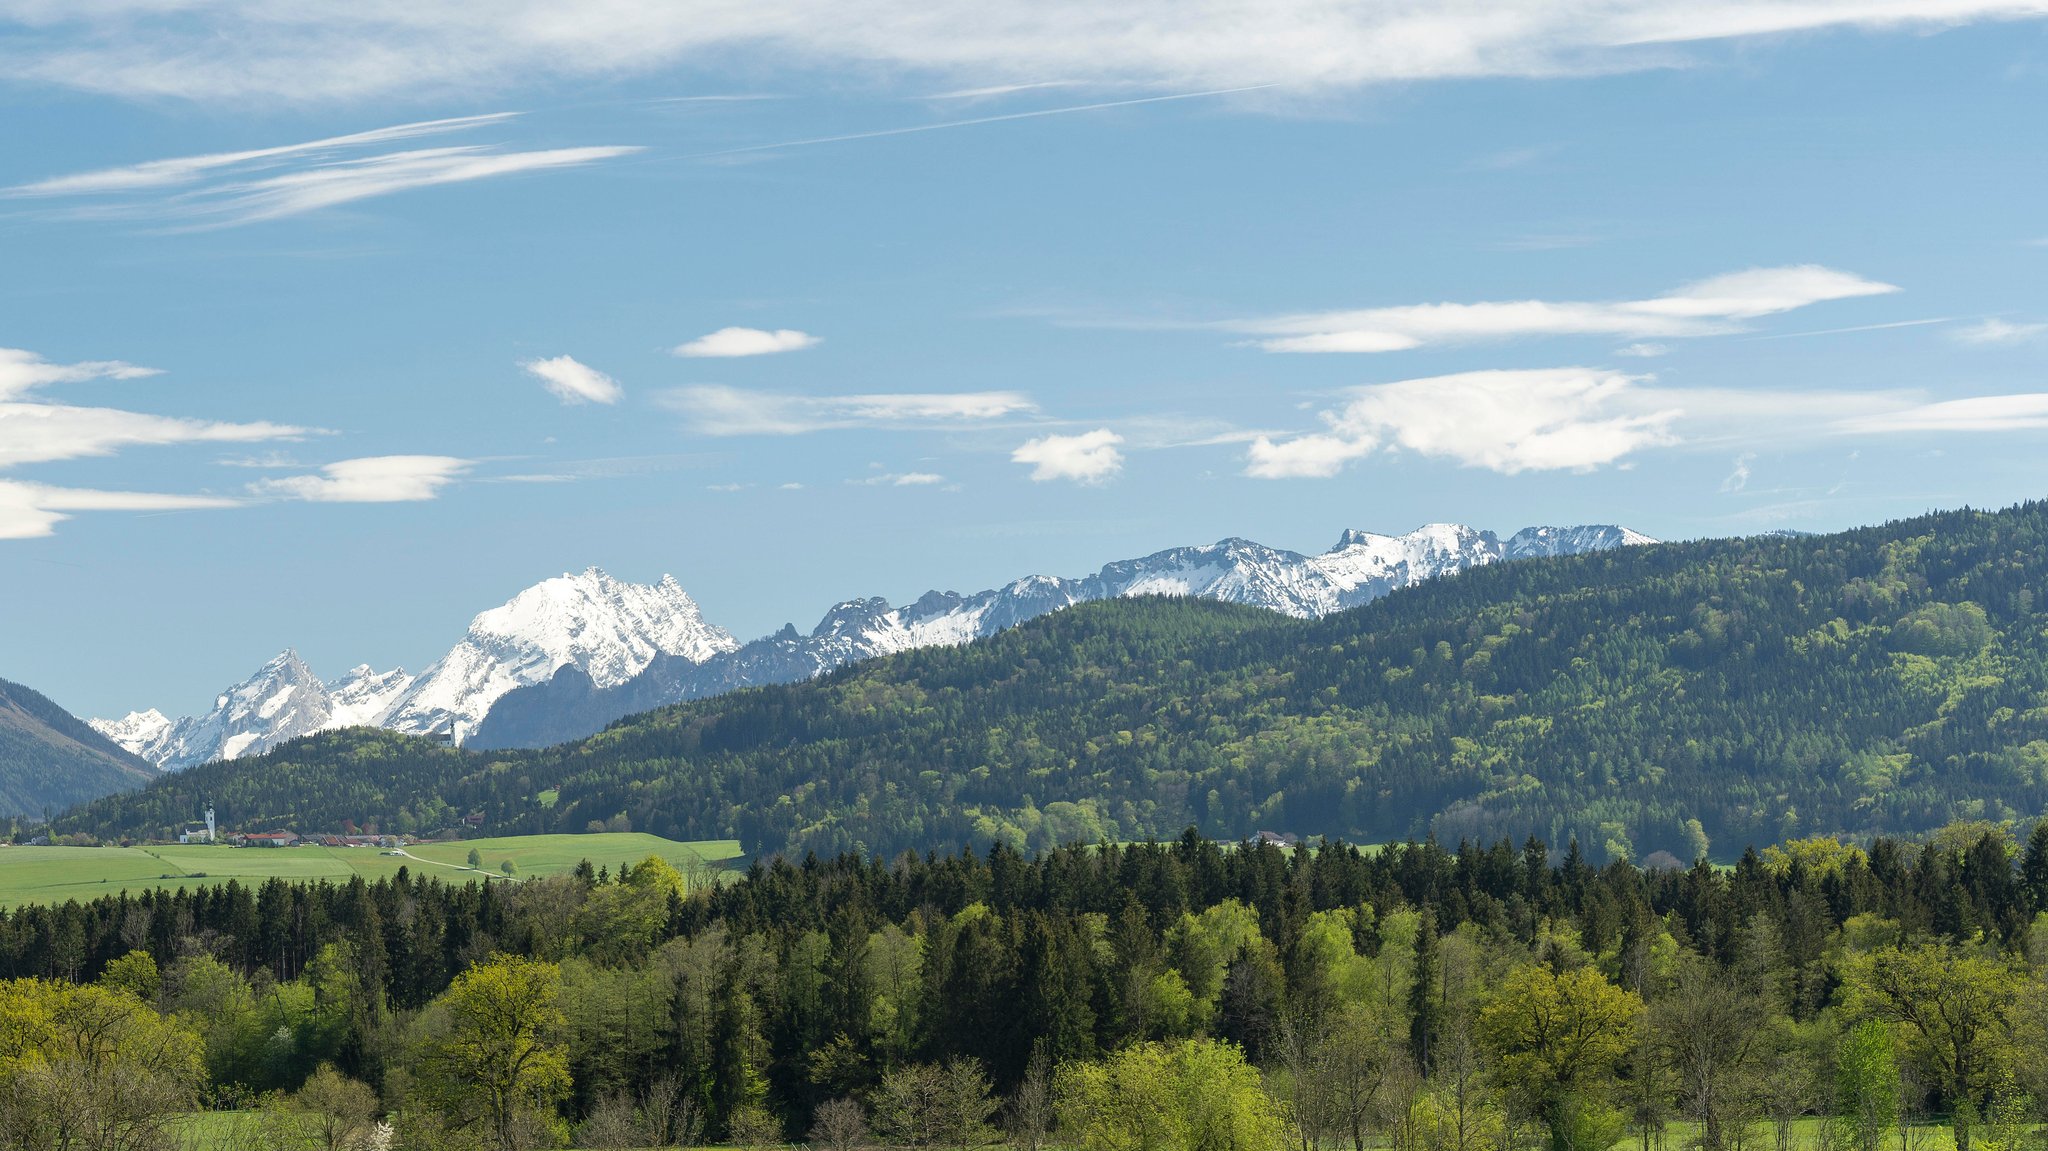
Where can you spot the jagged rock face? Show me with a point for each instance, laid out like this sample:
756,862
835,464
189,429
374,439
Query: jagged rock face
283,700
570,654
1361,568
607,629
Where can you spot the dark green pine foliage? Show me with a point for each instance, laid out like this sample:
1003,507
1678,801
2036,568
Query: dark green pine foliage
1425,995
1683,698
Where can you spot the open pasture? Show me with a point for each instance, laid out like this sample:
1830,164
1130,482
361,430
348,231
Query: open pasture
55,874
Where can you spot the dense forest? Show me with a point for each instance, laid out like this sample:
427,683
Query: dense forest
1177,996
1689,698
49,759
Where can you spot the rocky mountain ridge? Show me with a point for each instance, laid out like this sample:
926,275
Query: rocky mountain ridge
565,657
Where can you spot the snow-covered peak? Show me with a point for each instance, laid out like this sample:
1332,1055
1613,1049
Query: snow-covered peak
141,733
1532,542
364,696
608,629
605,626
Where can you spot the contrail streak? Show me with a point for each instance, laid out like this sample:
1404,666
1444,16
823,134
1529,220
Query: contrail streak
981,120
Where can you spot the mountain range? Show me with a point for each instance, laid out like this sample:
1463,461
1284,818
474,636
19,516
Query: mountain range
1677,697
571,654
605,628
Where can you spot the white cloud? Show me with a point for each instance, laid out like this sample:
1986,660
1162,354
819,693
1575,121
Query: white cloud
1738,477
1642,351
1585,418
30,511
1505,421
254,49
229,188
721,411
44,433
1088,458
1709,307
901,480
2007,413
1997,331
371,480
331,185
1316,456
186,169
34,432
21,371
573,382
727,342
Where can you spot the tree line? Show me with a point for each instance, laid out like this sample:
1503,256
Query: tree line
1680,698
1182,995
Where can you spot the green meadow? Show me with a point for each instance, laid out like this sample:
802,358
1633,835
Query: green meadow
55,874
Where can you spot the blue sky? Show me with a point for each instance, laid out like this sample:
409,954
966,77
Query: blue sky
330,325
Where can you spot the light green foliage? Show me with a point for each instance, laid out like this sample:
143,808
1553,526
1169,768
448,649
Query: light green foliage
919,1105
343,1111
1202,946
489,1051
1866,1085
620,920
90,1068
1194,1095
135,973
1557,1038
1952,1009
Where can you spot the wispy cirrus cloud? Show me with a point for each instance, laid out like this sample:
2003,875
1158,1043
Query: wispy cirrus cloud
1994,331
180,170
32,511
1087,458
727,343
370,480
2019,412
34,431
229,188
243,49
574,382
22,370
1714,306
715,410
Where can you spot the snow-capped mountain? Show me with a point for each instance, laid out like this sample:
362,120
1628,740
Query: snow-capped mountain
570,654
283,700
148,733
606,629
1362,567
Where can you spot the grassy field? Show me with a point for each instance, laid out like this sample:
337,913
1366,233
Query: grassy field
55,874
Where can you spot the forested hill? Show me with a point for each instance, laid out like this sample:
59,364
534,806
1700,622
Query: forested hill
50,759
1888,679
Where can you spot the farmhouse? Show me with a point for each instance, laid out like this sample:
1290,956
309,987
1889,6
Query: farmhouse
267,839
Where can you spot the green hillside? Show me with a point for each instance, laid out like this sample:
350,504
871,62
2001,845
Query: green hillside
49,758
1888,679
